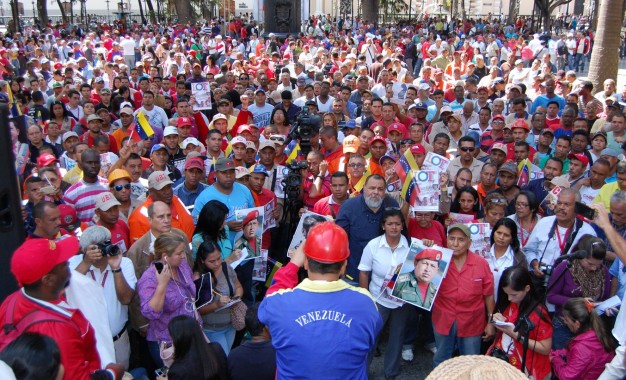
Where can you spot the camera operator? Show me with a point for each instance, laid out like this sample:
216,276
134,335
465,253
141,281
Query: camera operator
555,235
316,181
104,263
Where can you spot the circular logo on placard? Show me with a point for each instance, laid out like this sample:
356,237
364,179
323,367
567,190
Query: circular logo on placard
199,86
474,228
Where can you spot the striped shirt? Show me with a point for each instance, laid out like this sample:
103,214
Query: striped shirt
81,196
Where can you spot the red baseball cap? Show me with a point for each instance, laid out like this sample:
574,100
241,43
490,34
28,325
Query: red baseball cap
580,157
69,218
499,117
520,123
378,138
397,128
37,257
418,149
45,160
182,121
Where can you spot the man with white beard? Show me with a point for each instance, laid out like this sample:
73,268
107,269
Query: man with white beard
360,218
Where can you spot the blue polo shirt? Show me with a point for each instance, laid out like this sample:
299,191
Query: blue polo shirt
188,197
362,225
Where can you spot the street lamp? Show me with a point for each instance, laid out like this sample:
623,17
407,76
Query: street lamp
34,13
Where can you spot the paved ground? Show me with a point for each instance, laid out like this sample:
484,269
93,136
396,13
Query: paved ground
418,369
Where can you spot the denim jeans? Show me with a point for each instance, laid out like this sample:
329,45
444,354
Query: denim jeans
419,321
225,337
397,319
579,63
560,334
155,353
446,344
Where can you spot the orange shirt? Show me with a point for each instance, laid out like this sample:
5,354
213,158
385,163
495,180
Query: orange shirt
375,167
181,219
334,159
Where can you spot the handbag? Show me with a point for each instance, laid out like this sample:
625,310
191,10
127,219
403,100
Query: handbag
166,353
238,310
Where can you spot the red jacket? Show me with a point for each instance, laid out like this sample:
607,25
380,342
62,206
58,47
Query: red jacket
76,339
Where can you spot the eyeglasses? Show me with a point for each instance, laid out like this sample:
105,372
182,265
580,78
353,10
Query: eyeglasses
120,187
467,149
277,139
354,166
499,200
521,205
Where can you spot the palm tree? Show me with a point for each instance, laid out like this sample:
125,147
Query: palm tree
184,10
370,10
605,54
42,11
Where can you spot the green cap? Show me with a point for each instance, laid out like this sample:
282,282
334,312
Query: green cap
461,227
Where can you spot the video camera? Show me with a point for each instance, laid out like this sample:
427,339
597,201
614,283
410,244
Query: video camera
306,126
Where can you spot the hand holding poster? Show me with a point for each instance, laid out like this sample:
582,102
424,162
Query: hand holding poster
201,93
433,161
420,275
307,221
428,195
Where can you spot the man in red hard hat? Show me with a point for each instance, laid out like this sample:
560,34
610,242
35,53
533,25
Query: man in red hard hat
322,319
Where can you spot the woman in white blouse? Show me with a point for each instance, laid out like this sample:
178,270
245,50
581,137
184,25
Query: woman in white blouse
505,250
380,258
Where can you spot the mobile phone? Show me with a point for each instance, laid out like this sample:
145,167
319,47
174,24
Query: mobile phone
584,210
159,266
162,371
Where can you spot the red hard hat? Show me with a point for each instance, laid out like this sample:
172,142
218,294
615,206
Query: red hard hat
327,243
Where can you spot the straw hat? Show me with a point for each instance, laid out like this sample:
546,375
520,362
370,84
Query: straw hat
475,367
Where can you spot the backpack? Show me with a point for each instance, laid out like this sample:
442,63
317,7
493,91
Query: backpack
561,49
11,330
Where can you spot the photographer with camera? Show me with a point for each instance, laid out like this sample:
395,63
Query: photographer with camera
555,235
102,261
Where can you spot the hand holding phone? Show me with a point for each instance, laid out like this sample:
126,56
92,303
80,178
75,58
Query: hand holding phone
585,211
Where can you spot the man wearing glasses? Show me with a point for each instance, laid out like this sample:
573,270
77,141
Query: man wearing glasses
466,159
120,186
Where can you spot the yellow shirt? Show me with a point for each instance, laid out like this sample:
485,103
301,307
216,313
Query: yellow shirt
605,193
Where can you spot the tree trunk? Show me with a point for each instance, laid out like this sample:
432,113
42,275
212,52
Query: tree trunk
370,11
151,12
141,13
605,54
63,14
42,12
513,10
184,11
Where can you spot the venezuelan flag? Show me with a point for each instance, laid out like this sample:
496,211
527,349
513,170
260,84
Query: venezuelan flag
142,126
293,156
228,151
523,168
406,163
410,189
15,110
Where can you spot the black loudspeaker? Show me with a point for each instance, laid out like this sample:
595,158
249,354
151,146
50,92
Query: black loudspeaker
12,232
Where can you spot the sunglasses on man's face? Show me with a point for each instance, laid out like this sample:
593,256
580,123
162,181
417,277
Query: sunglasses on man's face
467,149
121,187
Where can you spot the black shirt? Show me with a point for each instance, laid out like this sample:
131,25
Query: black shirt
252,360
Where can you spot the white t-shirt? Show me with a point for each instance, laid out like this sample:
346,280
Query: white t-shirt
587,194
128,44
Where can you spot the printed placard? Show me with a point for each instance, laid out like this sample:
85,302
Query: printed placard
421,274
202,96
307,221
434,161
481,235
428,190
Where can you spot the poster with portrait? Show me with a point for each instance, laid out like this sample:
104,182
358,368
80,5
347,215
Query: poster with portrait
249,239
549,202
268,221
399,93
259,273
481,235
420,275
201,93
307,221
434,161
427,182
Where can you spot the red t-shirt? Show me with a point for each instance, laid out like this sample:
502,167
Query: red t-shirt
435,232
120,235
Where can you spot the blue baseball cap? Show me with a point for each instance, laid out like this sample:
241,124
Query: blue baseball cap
421,106
260,168
157,147
350,124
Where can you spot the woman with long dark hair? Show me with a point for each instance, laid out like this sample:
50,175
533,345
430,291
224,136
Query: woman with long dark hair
590,348
587,277
211,226
33,356
505,251
217,324
526,215
194,358
517,299
466,202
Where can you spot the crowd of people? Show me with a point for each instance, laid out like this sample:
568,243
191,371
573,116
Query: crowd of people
136,147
